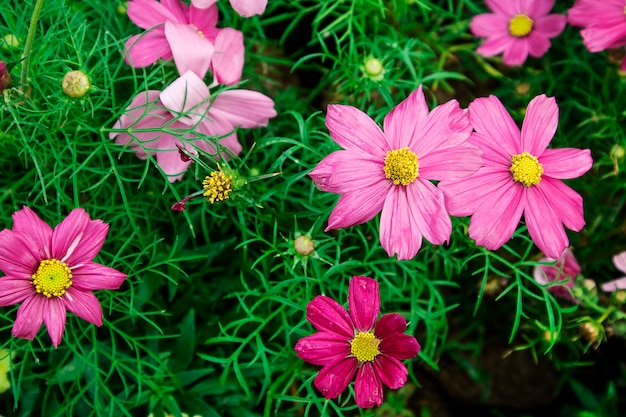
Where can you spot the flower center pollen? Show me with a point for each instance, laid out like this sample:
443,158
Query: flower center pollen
53,277
364,346
520,25
526,169
217,186
401,166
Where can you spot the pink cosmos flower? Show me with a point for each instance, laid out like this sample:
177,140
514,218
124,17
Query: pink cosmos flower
619,261
187,34
519,176
184,106
564,269
50,271
245,8
349,344
517,28
604,23
392,171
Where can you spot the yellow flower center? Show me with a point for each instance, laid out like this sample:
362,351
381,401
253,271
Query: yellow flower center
364,346
401,166
53,277
526,169
217,186
520,25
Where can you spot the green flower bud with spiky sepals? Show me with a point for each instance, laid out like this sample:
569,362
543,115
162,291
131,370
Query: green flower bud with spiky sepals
75,84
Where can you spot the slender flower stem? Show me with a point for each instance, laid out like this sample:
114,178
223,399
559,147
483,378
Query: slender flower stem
29,43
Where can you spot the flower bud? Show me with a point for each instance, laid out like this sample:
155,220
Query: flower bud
373,68
9,42
75,84
592,332
5,77
304,245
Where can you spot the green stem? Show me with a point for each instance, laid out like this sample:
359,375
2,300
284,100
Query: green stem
29,43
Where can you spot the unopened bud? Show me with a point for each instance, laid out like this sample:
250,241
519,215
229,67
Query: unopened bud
75,84
304,246
617,152
9,42
591,332
620,296
5,77
374,68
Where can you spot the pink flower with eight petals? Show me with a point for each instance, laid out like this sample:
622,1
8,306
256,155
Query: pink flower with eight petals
565,269
184,105
517,28
520,176
604,24
392,171
619,261
187,34
50,271
355,343
245,8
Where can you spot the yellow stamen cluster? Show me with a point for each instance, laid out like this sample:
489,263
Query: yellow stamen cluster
364,346
526,169
217,186
520,26
401,166
53,277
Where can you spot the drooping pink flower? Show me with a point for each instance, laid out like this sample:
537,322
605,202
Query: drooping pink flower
619,261
392,171
565,269
245,8
186,110
604,24
355,343
520,176
517,28
187,34
51,271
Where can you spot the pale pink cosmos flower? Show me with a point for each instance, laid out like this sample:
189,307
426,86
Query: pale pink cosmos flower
604,24
564,269
356,343
155,121
619,261
520,176
245,8
188,35
51,271
392,171
517,28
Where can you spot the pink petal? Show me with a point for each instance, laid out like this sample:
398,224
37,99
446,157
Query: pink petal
614,285
544,225
84,305
430,214
327,315
400,346
78,239
539,8
187,97
566,203
19,256
506,8
14,290
619,261
364,302
610,34
146,48
203,4
247,8
342,172
54,318
205,19
495,45
451,163
491,120
229,146
389,324
352,129
335,377
29,317
179,10
446,125
92,276
322,348
227,64
191,51
358,207
169,159
368,389
489,24
565,163
26,222
516,53
402,122
243,108
399,232
538,44
391,371
540,122
550,26
147,13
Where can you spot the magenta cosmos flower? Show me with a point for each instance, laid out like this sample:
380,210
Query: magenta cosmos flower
392,171
619,261
520,176
245,8
50,271
155,121
564,269
349,344
517,28
604,23
187,34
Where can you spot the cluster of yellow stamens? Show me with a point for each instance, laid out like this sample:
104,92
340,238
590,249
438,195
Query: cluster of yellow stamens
364,346
52,278
526,169
401,166
217,186
520,26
